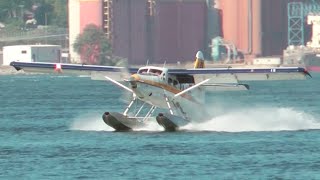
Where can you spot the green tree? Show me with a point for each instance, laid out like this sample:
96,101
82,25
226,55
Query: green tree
50,12
13,8
93,46
43,13
60,13
53,12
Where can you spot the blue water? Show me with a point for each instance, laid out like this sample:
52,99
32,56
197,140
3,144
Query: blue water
51,128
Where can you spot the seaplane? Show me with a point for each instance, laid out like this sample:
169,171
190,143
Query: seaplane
176,94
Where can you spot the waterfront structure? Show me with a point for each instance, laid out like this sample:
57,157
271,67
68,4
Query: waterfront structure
171,31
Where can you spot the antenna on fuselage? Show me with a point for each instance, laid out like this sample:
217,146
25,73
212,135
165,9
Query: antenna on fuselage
164,64
147,62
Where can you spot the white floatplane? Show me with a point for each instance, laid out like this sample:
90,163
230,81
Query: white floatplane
176,92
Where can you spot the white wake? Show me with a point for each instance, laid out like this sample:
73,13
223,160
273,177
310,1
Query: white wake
90,122
241,120
257,119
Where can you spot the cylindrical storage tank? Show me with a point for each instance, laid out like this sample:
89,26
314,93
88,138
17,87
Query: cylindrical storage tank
74,27
237,23
229,10
180,29
274,27
214,16
214,21
90,13
256,28
82,13
129,30
245,20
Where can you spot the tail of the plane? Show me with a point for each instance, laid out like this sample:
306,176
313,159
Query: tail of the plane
199,62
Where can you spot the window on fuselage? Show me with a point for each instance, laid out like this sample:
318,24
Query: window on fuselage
185,86
175,83
143,71
155,72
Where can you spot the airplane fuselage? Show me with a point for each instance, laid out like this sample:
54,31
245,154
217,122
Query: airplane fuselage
153,86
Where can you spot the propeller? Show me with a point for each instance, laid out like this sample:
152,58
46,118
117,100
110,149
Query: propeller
119,84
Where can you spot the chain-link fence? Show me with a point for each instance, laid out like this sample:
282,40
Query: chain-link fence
45,35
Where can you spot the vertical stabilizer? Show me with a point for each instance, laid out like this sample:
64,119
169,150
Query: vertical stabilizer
199,62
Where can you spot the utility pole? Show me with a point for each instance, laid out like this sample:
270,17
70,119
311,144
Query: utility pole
46,24
21,11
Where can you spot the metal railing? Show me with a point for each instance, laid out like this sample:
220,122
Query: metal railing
6,36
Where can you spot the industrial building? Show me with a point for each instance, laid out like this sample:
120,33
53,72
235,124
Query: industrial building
161,31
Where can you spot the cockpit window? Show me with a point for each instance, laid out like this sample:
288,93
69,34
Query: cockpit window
143,71
155,71
175,82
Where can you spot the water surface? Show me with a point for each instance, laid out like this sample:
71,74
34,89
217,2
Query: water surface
51,128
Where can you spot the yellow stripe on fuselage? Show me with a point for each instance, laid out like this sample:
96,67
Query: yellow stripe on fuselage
162,85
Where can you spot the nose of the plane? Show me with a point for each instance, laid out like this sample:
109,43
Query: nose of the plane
134,77
133,81
199,55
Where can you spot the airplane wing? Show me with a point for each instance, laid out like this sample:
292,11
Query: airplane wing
234,75
216,75
93,71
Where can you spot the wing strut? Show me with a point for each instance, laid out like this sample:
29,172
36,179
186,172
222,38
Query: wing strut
150,112
168,104
125,113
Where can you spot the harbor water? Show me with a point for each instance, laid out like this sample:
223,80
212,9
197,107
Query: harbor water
51,128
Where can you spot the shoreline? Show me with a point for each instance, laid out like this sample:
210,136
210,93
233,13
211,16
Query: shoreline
9,70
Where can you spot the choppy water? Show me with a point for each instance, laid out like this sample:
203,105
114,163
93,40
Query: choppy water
51,128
